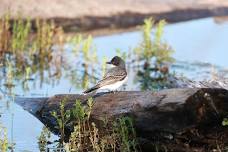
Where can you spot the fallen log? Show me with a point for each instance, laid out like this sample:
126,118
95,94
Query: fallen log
183,119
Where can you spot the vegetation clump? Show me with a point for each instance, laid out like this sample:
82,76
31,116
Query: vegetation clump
4,144
225,122
155,56
111,135
86,51
43,139
26,49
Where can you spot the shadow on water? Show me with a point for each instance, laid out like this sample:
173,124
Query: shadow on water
45,62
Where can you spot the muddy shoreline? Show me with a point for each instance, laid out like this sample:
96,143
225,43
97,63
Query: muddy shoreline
128,19
105,16
97,25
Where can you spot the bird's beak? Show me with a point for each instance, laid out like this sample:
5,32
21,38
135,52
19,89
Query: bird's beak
108,63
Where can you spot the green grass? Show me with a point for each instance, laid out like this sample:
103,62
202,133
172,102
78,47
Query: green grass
225,122
152,45
111,135
27,46
4,144
87,52
156,56
62,119
34,49
43,139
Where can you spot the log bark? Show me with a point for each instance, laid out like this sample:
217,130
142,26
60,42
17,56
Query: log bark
183,119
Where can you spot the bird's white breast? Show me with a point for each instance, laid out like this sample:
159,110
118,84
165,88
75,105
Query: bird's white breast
114,86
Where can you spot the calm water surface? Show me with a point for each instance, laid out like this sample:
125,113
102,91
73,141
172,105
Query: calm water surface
200,48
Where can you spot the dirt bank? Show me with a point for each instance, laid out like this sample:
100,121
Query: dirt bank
86,15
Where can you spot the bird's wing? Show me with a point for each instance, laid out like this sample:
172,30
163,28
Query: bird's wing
114,71
112,76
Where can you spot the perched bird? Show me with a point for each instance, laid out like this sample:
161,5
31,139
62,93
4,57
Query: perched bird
114,78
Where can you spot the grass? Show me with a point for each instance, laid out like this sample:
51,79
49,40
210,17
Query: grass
152,45
62,120
111,135
155,55
43,139
31,49
20,36
86,51
4,35
4,144
225,122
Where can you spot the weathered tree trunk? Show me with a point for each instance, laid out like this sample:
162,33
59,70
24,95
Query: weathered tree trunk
184,119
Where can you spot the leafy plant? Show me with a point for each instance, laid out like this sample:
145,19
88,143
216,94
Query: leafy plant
4,144
156,56
84,49
62,119
4,34
20,36
30,46
43,139
153,48
117,135
126,134
225,122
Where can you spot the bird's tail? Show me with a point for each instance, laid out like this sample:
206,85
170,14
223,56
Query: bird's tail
91,89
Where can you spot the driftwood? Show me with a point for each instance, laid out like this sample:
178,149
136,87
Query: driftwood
185,119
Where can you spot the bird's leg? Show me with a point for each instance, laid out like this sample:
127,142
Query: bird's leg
110,91
115,91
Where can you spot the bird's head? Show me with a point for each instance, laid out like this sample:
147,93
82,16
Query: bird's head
117,61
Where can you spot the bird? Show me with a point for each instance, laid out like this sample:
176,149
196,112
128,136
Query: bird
113,78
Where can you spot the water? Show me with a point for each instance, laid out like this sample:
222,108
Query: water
200,48
199,40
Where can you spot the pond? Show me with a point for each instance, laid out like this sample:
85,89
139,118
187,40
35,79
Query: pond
200,49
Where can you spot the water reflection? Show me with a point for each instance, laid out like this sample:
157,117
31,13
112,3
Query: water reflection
220,19
31,61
